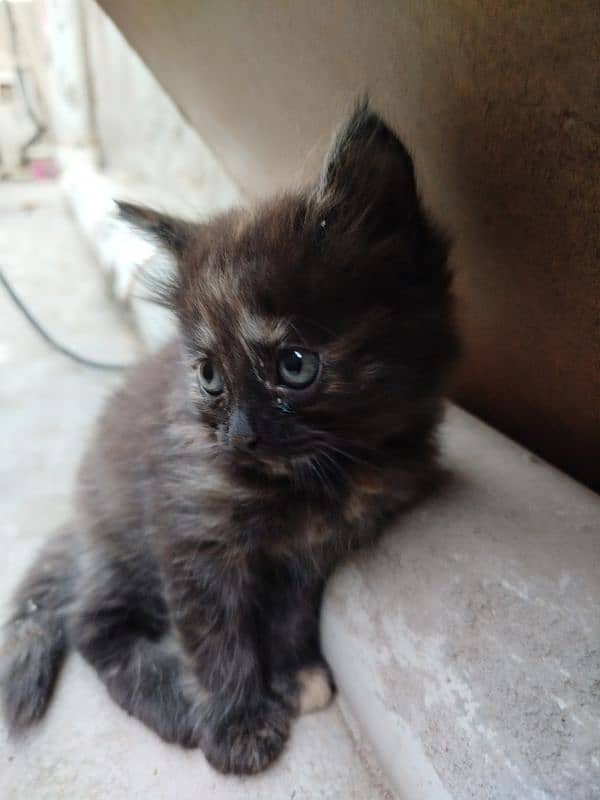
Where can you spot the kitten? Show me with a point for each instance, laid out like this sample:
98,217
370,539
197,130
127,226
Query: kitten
292,416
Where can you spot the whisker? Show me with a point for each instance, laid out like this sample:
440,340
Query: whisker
350,456
318,470
337,466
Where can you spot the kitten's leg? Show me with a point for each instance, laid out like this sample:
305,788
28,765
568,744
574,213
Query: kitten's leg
120,628
214,593
299,673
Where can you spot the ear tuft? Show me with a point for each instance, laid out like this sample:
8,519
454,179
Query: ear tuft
368,173
172,233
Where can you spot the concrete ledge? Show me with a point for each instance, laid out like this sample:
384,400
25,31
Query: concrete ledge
467,645
123,253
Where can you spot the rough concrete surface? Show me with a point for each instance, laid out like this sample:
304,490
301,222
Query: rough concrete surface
467,645
86,747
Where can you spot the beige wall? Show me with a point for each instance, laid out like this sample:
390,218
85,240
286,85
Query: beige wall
499,102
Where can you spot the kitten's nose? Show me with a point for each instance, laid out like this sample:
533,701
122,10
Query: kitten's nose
241,432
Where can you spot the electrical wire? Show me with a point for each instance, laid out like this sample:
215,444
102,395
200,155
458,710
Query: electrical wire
40,130
87,362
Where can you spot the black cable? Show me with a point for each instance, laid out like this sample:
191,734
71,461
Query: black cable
87,362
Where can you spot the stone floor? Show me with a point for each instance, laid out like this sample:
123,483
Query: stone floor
48,402
86,747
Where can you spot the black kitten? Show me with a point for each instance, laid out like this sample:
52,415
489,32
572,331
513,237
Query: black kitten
290,418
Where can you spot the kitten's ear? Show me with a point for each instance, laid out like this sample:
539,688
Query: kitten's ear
368,175
174,234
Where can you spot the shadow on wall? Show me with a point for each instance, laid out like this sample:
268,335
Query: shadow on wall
528,284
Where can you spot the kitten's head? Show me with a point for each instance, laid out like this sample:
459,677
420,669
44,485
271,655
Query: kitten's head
317,326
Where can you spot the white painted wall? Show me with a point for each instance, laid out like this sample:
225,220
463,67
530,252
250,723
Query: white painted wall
70,100
143,137
121,137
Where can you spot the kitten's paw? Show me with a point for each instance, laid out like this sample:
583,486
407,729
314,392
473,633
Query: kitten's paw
250,741
310,688
316,688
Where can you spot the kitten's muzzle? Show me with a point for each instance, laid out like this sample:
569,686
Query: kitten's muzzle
241,434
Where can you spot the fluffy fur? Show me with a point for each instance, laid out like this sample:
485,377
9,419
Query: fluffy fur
207,523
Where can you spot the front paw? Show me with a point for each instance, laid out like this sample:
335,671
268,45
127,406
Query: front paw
316,688
248,740
310,688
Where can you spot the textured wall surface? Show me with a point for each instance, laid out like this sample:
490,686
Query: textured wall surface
466,643
500,104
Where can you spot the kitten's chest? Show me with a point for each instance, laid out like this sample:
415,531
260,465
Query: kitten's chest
211,502
376,496
217,504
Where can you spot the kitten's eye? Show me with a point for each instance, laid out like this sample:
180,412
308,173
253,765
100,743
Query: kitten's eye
210,377
297,368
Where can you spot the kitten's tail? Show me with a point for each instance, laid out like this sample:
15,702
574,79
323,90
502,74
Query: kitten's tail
35,642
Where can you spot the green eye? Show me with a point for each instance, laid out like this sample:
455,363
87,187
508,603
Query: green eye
297,368
210,377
